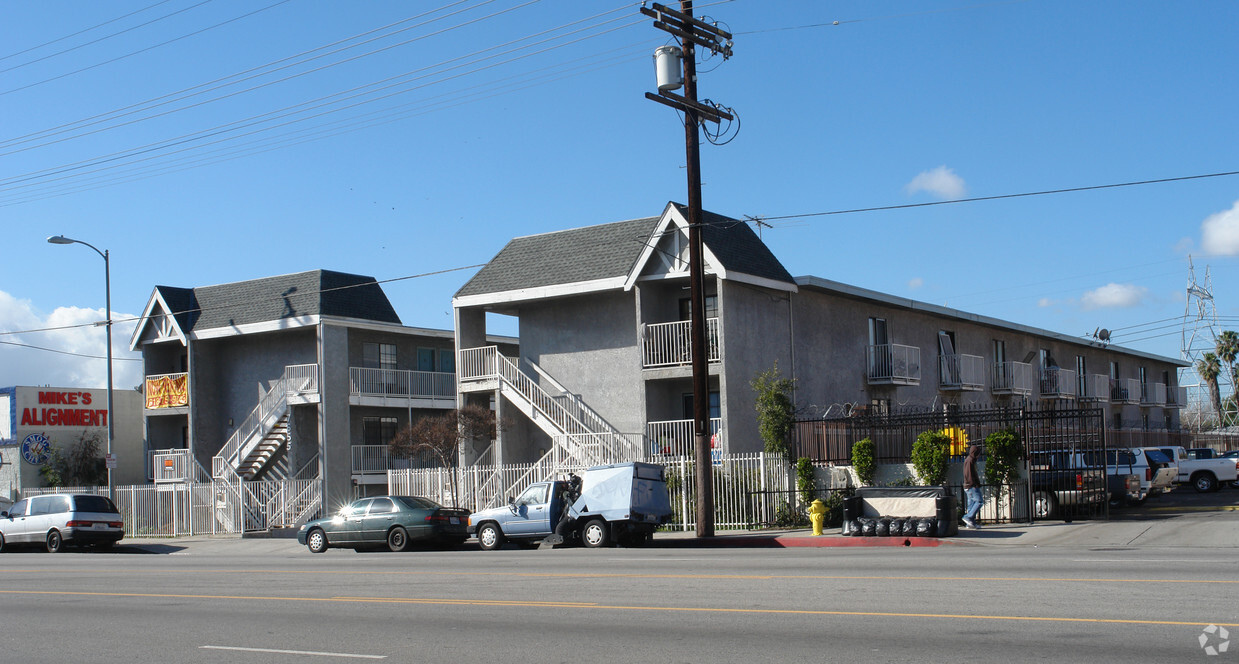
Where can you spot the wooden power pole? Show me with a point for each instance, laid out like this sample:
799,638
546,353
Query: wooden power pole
693,33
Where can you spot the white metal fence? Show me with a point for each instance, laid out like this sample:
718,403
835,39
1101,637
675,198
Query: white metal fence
207,508
738,481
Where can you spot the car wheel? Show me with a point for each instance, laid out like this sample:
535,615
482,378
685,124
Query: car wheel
316,541
1,541
596,533
55,543
1204,482
490,537
1044,505
398,539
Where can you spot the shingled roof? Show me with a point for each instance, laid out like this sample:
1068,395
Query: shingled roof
611,251
317,292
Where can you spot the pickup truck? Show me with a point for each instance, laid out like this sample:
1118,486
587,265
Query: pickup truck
1059,479
1210,453
1153,472
1203,474
623,502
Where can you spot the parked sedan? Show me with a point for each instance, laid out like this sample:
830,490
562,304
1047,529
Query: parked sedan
394,521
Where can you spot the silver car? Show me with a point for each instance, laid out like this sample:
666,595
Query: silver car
61,519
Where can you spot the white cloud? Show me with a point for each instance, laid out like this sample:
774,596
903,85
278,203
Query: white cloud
1114,296
1219,232
1045,302
24,365
915,283
941,182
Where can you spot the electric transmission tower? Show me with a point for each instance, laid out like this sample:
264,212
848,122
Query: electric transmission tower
1199,337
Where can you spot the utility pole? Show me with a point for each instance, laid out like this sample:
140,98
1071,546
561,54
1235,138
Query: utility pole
692,33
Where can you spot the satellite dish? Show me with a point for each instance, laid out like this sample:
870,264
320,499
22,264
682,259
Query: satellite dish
1104,334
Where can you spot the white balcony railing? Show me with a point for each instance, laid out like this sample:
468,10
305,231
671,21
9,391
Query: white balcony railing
961,372
1094,388
1176,396
893,364
675,437
671,344
401,383
1013,378
1152,394
1058,383
1124,390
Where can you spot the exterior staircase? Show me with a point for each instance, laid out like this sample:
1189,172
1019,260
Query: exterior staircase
580,437
263,436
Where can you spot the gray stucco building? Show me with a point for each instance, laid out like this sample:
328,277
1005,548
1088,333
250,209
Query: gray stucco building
603,371
303,376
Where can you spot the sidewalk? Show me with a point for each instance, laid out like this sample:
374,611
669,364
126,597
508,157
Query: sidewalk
1206,529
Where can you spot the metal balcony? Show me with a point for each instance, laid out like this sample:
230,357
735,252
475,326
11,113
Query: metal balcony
670,344
1094,388
1057,383
961,373
1012,378
1124,390
1152,394
893,364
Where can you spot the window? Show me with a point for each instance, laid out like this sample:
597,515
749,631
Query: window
877,332
1000,351
686,307
1081,382
1114,370
1118,420
880,406
715,411
378,356
534,495
946,349
382,506
1144,424
377,430
1168,422
1166,378
18,509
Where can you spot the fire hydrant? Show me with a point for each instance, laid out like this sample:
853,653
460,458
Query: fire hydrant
817,515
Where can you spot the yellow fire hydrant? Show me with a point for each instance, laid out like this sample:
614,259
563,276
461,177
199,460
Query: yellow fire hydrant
817,515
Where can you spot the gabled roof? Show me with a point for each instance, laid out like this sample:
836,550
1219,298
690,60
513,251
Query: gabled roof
289,297
612,256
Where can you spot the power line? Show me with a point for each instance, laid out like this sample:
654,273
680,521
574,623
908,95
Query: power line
1004,196
65,352
82,32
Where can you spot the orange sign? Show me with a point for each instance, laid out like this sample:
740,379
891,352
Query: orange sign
167,391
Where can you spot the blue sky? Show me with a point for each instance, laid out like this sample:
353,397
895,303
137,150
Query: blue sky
200,144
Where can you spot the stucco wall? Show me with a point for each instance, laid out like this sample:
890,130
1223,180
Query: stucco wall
756,334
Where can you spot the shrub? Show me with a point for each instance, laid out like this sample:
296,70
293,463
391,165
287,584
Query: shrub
863,453
1003,451
931,454
806,480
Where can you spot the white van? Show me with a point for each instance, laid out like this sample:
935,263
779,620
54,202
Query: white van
61,519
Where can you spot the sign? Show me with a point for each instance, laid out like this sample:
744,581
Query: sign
35,449
109,460
168,391
59,408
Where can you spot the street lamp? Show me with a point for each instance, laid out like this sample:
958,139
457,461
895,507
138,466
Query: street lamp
107,284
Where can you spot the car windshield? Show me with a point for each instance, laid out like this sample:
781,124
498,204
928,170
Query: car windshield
417,502
94,504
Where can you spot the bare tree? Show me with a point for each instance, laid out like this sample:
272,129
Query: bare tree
440,436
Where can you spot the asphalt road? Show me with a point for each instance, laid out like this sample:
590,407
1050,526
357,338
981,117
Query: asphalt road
270,601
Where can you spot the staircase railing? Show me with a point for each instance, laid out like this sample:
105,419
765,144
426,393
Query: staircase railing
297,379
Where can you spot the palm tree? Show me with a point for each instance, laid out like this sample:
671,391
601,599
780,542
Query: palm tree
1209,367
1227,351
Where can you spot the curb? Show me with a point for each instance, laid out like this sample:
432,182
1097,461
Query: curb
796,541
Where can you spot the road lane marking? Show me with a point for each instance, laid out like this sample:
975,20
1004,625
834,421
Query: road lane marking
274,651
608,607
634,575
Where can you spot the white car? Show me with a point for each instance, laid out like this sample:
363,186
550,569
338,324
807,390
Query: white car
61,519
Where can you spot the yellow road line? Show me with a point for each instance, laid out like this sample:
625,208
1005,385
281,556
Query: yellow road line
597,575
680,609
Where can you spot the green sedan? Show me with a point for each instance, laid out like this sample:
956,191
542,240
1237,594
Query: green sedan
394,521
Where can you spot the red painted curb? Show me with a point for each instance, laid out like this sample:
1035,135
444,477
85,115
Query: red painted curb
857,541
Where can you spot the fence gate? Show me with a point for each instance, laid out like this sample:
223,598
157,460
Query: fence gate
1066,464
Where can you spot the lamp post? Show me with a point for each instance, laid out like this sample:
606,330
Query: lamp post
107,284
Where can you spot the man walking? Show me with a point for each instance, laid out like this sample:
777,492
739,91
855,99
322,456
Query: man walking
972,487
